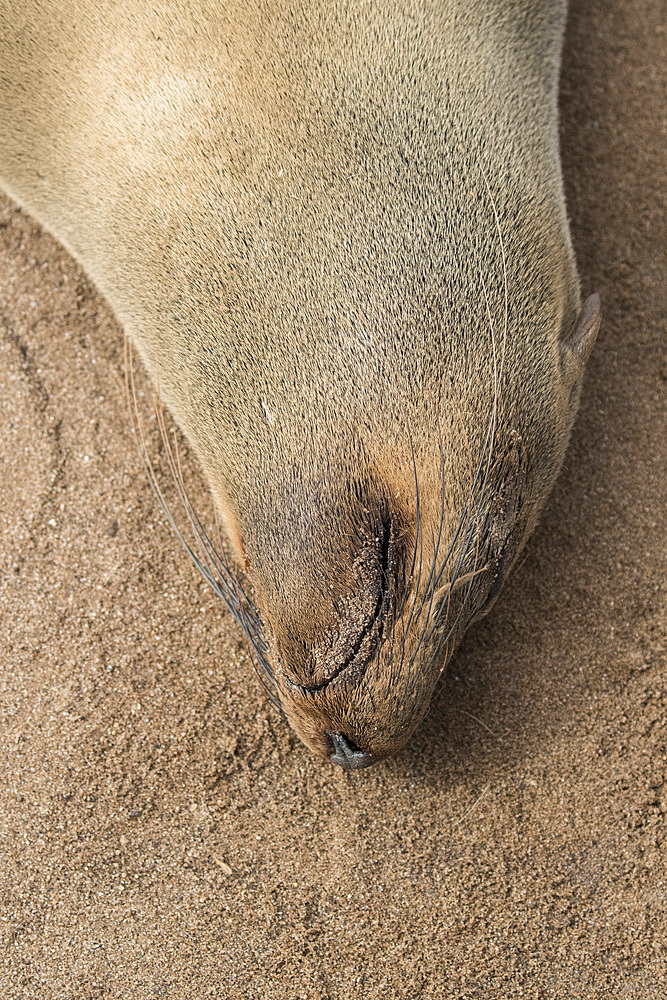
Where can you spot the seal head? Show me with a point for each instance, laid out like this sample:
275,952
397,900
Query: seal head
337,236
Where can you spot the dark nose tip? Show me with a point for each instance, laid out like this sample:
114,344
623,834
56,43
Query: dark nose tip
347,754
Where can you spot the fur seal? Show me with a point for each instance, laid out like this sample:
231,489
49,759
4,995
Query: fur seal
337,235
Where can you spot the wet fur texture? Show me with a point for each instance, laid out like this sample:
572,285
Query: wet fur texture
337,234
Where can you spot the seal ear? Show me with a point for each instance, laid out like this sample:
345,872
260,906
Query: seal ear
575,349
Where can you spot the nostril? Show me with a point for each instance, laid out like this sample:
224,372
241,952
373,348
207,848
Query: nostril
347,754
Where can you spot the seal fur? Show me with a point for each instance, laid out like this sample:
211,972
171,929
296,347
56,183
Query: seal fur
337,235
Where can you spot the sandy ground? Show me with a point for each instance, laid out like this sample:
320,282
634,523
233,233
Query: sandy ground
163,834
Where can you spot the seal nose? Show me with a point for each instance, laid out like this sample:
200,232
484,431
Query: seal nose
347,754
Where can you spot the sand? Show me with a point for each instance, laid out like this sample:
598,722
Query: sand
163,834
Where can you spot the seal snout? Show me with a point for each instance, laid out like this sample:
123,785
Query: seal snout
347,754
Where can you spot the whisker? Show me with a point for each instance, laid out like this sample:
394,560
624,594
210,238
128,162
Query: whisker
417,528
218,561
497,373
460,581
429,590
441,596
210,564
408,584
462,711
416,594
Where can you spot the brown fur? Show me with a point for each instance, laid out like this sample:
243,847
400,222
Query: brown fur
337,234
